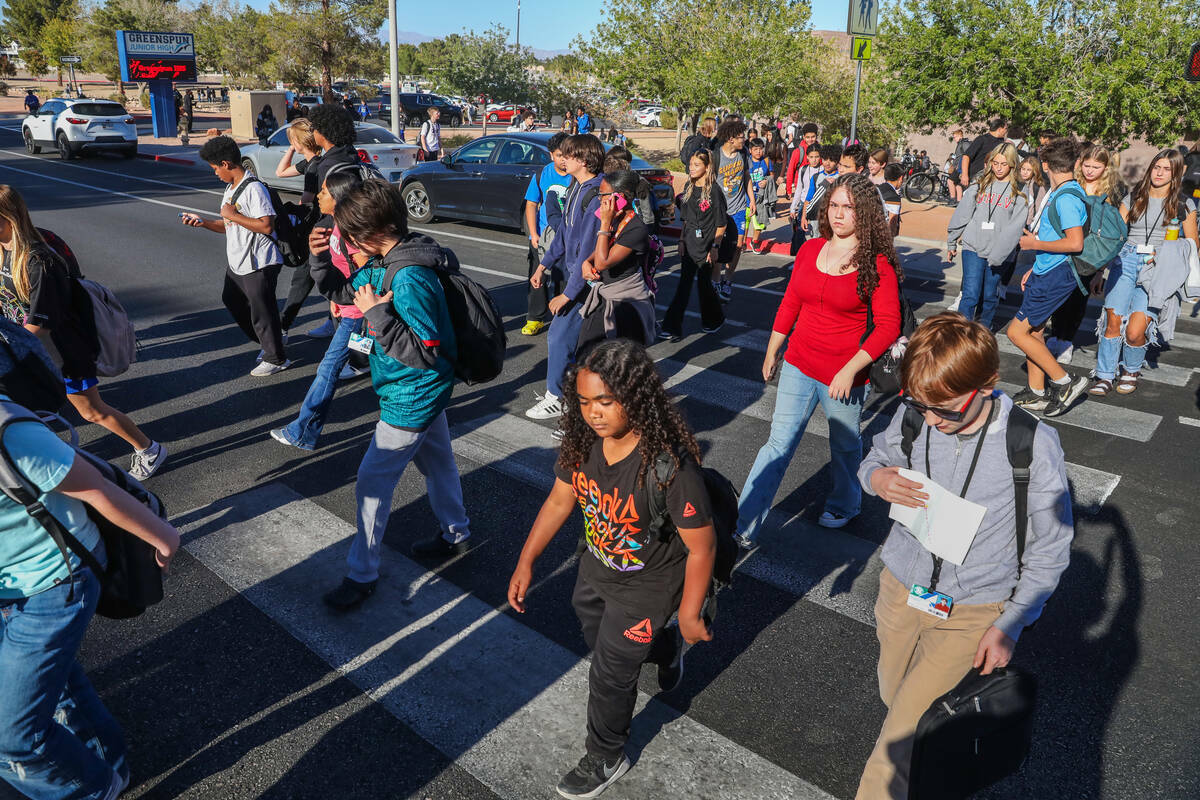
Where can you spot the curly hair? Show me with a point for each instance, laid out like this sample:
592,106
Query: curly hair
870,228
628,372
334,124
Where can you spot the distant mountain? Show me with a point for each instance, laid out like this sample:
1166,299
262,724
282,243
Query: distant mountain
412,37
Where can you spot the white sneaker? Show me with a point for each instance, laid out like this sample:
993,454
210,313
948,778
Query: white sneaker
262,353
350,372
325,330
548,407
147,462
954,306
1065,356
266,368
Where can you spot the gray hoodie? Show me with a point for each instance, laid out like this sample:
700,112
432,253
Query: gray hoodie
1007,213
989,572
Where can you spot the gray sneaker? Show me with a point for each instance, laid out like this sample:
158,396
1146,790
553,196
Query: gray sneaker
1063,397
147,462
1029,401
592,776
266,368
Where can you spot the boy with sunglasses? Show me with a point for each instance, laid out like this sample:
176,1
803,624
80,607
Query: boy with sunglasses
949,375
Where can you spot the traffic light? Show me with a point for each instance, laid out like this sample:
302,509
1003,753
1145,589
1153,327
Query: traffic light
1191,71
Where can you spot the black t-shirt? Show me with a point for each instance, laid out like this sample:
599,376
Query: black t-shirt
704,213
52,306
310,169
343,154
636,236
978,153
627,563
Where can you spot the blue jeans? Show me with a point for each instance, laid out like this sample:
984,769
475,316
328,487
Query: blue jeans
57,739
1123,297
306,428
980,287
560,347
794,404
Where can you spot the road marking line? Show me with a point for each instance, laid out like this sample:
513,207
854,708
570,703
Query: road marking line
438,232
1195,423
43,176
465,676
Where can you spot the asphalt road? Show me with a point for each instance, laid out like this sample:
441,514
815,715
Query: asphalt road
239,685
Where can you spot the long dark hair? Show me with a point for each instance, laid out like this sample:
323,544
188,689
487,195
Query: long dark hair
1141,192
870,227
628,372
341,182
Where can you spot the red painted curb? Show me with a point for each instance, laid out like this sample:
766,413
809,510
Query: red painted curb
167,159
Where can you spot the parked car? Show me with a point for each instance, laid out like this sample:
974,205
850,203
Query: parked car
375,145
307,102
75,125
485,181
416,107
650,117
505,113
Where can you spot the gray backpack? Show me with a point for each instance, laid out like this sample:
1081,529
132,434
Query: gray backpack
114,331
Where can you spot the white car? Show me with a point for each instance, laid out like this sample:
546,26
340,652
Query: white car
650,117
375,145
75,125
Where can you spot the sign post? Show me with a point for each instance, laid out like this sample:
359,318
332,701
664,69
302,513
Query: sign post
158,59
71,61
862,23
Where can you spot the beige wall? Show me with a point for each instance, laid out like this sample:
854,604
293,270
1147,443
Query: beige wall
244,107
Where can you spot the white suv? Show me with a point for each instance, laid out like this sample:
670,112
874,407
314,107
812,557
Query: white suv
73,125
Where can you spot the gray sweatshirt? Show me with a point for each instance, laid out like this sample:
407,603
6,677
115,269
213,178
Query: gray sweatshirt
989,572
1006,212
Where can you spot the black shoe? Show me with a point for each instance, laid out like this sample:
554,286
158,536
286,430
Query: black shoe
1029,401
349,595
671,674
592,776
1063,397
438,547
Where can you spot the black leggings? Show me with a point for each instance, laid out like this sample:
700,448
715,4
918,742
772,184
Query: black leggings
251,301
302,284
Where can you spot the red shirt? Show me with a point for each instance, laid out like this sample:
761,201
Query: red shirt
825,320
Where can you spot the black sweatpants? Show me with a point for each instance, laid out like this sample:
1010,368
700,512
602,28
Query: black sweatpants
1065,322
251,301
620,641
302,284
711,313
539,299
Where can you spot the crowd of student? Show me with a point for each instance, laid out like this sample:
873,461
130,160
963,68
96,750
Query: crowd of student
626,454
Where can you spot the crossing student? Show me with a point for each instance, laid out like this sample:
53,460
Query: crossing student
412,349
704,228
949,376
1129,322
732,164
543,217
1048,284
619,421
987,224
823,318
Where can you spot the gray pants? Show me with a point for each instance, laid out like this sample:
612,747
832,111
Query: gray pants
390,452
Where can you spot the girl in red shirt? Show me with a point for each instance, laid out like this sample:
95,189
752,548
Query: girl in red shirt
823,317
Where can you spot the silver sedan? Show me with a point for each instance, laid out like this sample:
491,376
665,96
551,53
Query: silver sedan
374,144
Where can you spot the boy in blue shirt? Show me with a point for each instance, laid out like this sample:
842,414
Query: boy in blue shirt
762,183
1049,284
543,217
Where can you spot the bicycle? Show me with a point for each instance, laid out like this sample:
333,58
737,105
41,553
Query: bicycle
921,186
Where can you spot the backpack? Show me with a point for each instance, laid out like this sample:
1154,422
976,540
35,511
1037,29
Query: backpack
478,326
132,580
885,370
646,203
724,500
1104,233
293,223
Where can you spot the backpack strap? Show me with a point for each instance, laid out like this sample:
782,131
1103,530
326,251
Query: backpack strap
1022,427
1056,224
660,524
243,186
910,426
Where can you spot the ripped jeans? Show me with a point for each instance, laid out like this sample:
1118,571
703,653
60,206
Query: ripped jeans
1123,297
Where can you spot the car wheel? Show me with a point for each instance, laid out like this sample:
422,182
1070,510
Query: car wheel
413,120
493,117
30,145
456,122
416,200
248,165
64,148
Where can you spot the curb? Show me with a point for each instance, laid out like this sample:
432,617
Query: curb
167,159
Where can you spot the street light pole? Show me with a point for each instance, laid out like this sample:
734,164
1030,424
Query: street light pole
394,68
518,24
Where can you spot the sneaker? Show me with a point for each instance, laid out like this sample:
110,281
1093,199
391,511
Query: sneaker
325,330
350,372
1063,397
715,328
954,306
119,783
438,547
670,675
745,542
725,290
266,368
1028,400
533,328
281,435
349,595
262,353
592,776
1067,352
669,336
765,246
147,462
830,519
547,407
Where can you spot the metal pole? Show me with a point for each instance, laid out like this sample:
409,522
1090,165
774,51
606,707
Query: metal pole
518,24
854,113
394,68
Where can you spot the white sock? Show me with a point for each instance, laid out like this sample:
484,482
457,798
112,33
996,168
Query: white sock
1063,381
1038,392
454,537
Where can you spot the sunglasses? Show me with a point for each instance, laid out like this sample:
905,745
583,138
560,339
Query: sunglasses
944,413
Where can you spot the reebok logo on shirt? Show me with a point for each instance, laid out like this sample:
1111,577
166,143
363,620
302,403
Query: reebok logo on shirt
689,510
641,633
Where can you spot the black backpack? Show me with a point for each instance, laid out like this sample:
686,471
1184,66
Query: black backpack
132,581
723,498
293,223
478,326
885,370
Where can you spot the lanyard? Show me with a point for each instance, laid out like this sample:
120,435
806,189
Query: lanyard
1150,229
937,561
992,208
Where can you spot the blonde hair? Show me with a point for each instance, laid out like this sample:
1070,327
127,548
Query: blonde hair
1039,177
14,211
1009,154
300,134
708,128
1107,183
706,183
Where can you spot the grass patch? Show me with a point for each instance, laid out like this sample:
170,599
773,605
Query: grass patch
455,142
675,165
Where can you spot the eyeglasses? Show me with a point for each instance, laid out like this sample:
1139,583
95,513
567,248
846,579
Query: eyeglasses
946,414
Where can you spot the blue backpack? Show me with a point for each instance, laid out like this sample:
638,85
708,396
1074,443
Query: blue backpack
1104,233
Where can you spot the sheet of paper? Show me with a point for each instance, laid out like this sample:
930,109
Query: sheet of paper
947,525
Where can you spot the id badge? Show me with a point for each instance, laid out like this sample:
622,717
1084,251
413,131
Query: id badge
930,602
361,344
987,226
1145,249
699,233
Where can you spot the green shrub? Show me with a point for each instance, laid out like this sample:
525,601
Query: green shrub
144,98
118,97
455,142
3,89
675,165
668,119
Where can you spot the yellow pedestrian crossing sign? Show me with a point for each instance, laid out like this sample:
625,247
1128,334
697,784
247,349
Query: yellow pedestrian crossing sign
860,48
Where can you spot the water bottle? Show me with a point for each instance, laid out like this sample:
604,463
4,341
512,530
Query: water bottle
1172,230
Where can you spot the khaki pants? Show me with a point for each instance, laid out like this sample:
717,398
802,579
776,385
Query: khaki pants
921,658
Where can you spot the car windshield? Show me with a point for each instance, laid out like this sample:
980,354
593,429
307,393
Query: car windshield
374,134
100,110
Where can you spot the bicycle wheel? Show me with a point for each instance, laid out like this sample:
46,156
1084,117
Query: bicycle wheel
918,187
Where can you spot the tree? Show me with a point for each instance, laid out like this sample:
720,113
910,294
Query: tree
24,19
409,59
1105,70
60,37
485,64
335,36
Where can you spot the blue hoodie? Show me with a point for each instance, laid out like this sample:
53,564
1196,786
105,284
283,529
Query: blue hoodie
577,238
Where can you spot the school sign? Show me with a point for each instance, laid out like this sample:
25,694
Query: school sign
153,56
